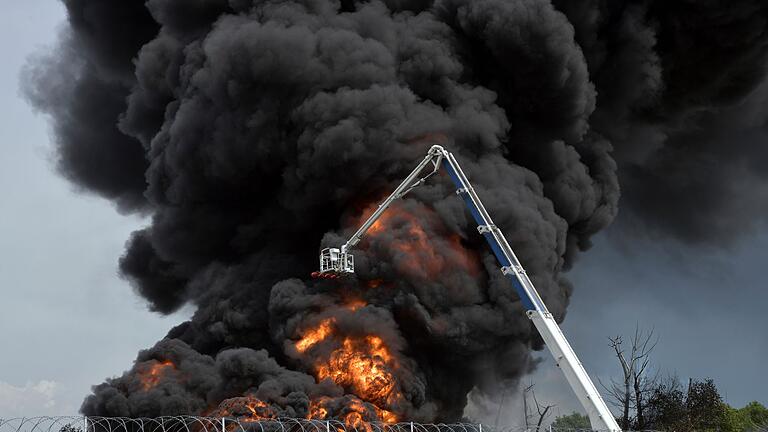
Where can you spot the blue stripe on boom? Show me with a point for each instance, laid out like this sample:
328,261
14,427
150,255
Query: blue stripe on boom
495,247
465,196
452,173
472,209
521,292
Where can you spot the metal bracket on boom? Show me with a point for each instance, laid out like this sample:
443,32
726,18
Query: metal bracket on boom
482,229
510,270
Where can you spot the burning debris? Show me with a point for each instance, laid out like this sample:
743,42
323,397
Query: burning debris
253,132
150,375
247,408
315,335
413,251
364,366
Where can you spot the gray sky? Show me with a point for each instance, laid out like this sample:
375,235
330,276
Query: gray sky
68,321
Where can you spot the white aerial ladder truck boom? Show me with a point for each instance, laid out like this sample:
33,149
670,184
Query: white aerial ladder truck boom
335,262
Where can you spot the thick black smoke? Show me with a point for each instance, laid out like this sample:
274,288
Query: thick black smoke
682,97
254,132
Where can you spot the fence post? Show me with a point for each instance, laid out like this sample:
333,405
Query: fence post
411,426
85,423
327,426
480,426
223,424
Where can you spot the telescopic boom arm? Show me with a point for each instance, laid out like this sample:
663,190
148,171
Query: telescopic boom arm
434,156
335,262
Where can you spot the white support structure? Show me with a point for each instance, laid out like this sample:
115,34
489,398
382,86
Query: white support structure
600,416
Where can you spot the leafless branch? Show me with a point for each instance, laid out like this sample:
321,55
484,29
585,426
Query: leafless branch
629,393
541,410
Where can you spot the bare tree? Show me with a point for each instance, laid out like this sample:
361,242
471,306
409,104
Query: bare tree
642,382
526,414
542,411
620,392
630,392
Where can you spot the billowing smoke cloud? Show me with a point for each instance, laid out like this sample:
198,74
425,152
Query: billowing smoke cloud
255,132
682,97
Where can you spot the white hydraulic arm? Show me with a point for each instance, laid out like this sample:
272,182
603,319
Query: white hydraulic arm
406,186
340,261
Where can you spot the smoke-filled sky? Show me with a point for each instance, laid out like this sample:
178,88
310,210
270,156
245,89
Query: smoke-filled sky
683,256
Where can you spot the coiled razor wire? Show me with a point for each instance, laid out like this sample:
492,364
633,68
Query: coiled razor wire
231,424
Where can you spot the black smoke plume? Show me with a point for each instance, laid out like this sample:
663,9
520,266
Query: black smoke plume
254,132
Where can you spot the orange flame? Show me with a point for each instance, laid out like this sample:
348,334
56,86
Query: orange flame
315,335
374,283
355,304
355,419
364,366
418,254
259,410
246,408
317,410
151,377
387,416
355,412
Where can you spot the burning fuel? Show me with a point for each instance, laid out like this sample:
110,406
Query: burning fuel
363,366
252,133
412,251
313,336
150,376
246,408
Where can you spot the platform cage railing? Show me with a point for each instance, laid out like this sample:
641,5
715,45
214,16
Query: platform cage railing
334,260
230,424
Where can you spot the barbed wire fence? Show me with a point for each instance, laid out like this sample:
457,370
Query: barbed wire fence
231,424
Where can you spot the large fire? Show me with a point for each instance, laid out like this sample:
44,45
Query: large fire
364,366
355,412
151,376
361,364
418,254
